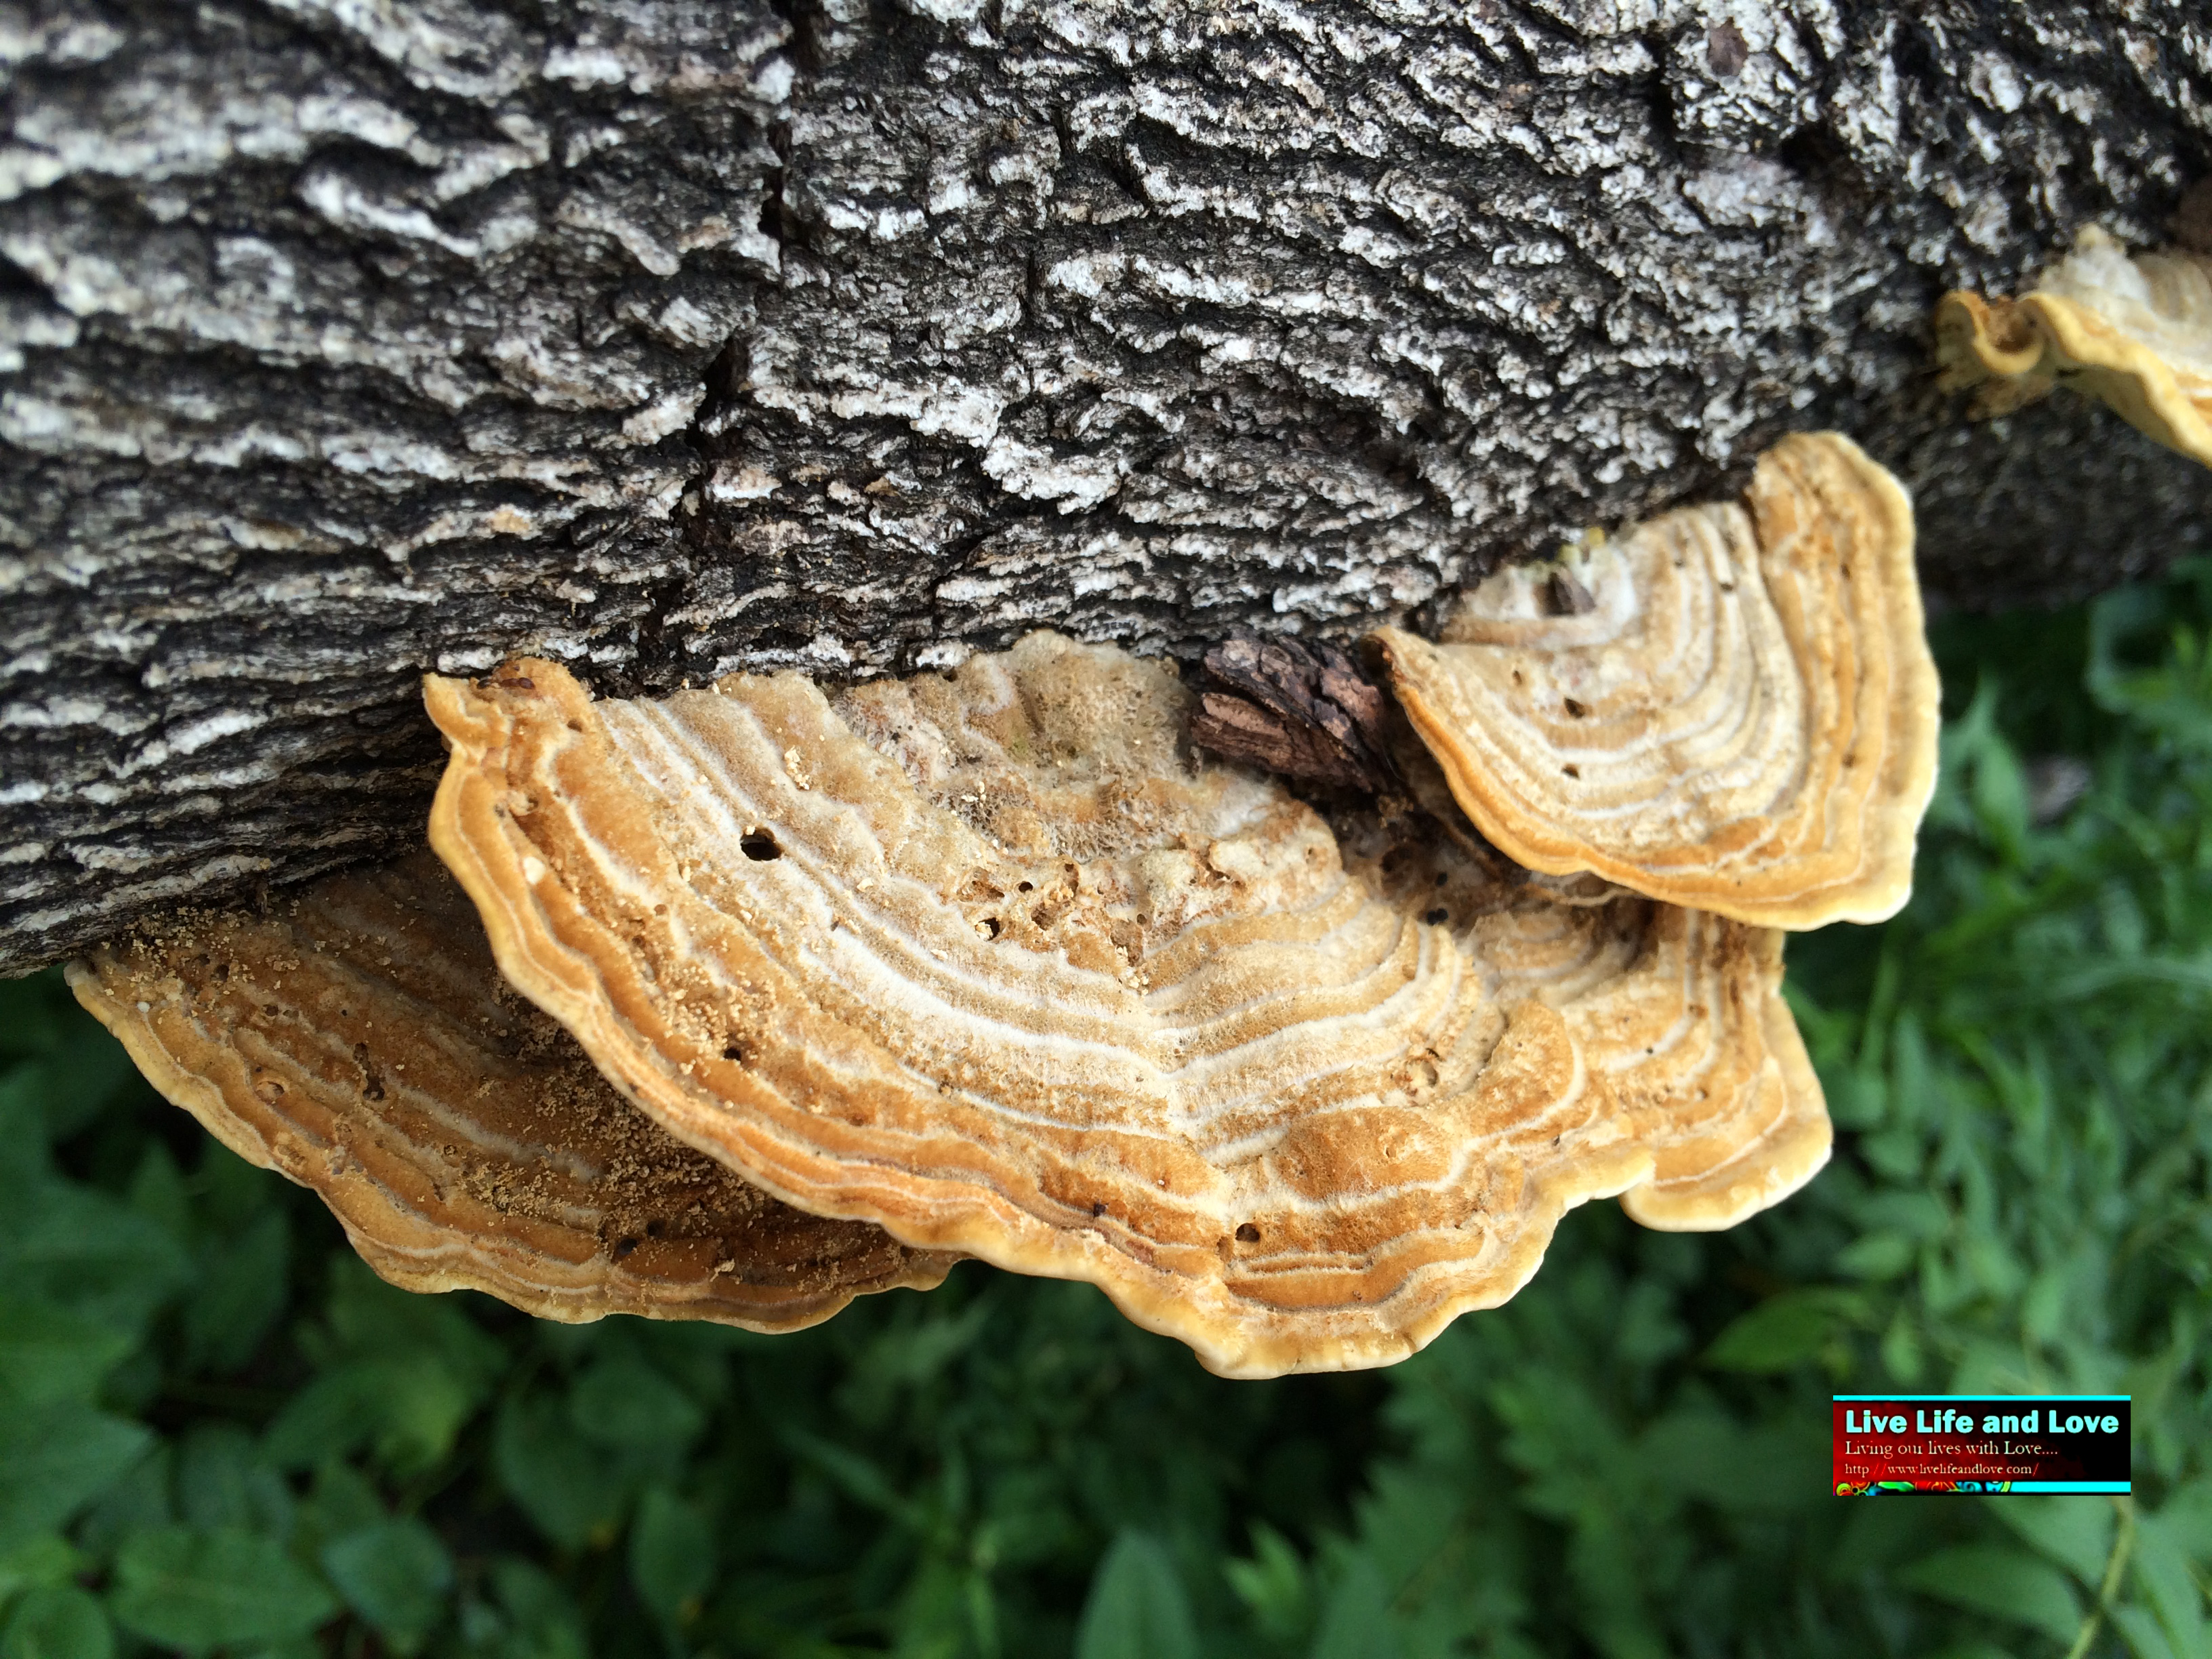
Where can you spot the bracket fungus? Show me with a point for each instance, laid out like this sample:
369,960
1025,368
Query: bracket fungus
2134,332
1732,707
989,959
354,1039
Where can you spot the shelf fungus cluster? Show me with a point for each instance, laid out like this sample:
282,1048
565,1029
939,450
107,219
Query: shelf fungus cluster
844,984
2134,332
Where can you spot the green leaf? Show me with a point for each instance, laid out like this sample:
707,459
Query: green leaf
537,1619
408,1408
77,1248
2186,1518
36,1017
2004,1583
1786,1330
2140,1627
2074,1532
344,1500
1878,1256
71,1085
1272,1585
48,1353
2160,1571
242,1289
222,1481
57,1622
571,1490
395,1575
197,1591
1137,1608
672,1555
624,1402
140,1500
371,1319
1356,1623
55,1460
2000,790
1858,1099
45,1559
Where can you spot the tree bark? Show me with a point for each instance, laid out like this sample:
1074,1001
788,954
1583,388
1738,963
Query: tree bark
342,340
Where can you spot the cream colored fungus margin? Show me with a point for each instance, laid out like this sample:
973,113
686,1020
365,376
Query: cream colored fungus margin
1019,981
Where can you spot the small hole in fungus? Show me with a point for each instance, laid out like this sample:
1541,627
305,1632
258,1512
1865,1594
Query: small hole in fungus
1027,887
1098,1208
991,923
731,1051
654,1229
1442,878
1248,1233
1438,917
759,846
624,1247
1572,771
1575,709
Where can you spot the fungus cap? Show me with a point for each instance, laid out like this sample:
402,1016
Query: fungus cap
1743,720
2135,333
1008,972
355,1039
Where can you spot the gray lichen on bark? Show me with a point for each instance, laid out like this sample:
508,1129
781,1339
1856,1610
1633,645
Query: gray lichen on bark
342,341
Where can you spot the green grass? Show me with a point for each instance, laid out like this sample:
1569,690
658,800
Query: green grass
222,1433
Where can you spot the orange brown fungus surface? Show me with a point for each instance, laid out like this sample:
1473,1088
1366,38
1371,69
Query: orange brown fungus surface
356,1039
987,958
2134,333
1737,712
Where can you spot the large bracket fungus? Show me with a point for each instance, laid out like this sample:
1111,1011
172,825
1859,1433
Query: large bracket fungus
2135,333
1731,707
355,1039
988,959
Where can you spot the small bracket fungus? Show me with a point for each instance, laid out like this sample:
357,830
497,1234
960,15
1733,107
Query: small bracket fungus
355,1040
2135,333
1743,720
1024,980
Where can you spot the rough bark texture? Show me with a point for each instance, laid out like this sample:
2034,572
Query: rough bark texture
344,339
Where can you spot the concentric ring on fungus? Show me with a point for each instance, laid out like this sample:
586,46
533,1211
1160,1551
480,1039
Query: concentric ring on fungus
2134,333
355,1038
1739,714
986,958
